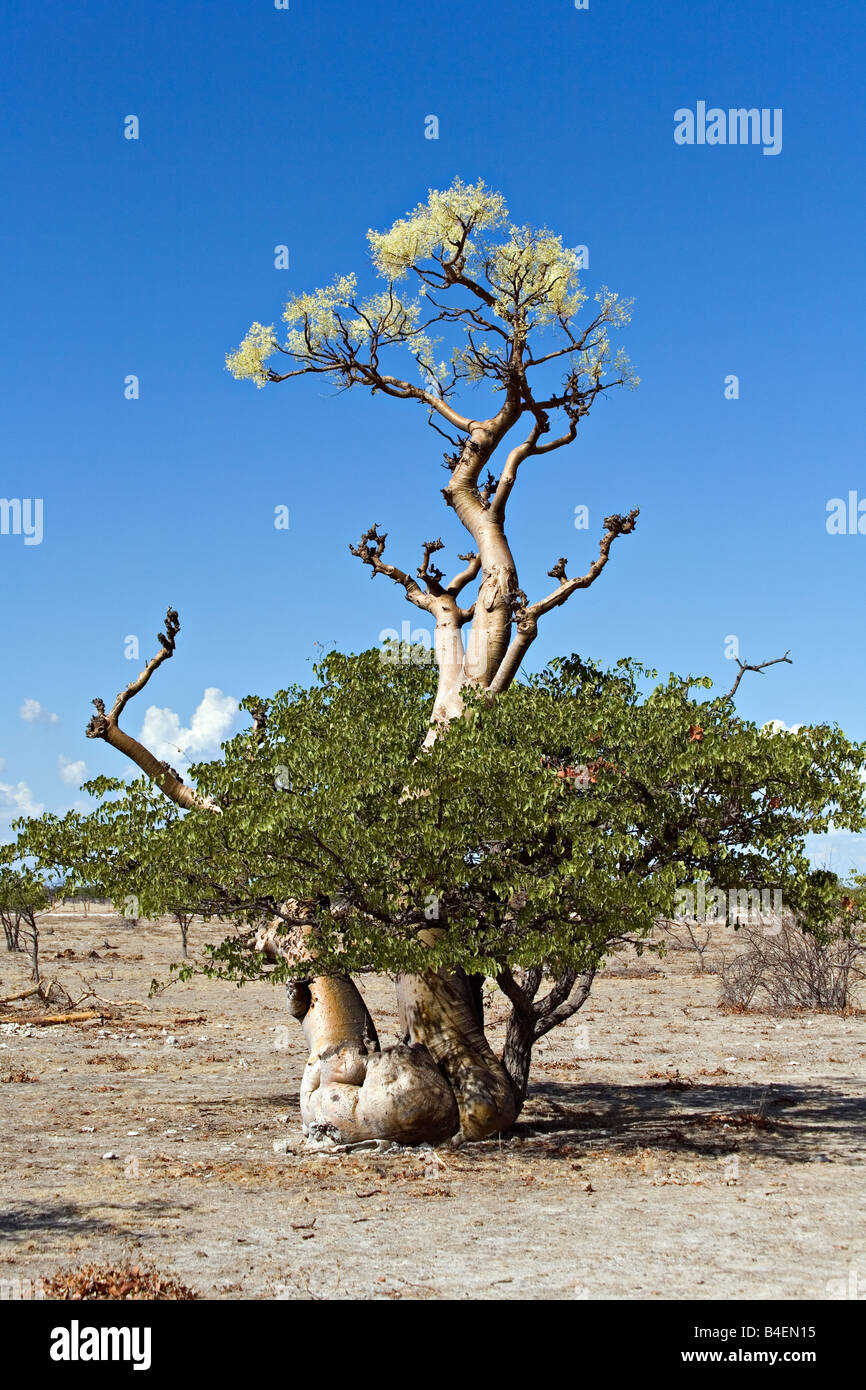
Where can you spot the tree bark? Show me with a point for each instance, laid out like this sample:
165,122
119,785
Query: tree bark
517,1056
439,1011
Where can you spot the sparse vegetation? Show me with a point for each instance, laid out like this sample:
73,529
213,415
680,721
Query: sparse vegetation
790,969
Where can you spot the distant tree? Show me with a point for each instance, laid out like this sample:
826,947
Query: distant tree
184,921
22,895
11,919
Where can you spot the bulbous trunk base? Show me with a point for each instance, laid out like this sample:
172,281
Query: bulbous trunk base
352,1086
398,1094
442,1079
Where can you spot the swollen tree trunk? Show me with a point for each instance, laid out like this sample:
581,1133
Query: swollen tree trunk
439,1011
352,1089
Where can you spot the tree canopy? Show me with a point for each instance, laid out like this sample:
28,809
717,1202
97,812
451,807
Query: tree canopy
500,282
541,828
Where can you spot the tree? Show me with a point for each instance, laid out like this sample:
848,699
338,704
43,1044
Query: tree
184,921
534,835
22,895
508,298
10,916
529,873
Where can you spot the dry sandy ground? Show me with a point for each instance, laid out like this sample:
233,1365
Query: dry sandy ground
668,1150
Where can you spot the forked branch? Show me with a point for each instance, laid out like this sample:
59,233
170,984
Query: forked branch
526,615
759,667
370,550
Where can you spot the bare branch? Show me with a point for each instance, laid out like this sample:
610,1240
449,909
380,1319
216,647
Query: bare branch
759,667
370,550
431,574
615,525
558,570
167,641
513,462
559,443
355,372
451,440
459,582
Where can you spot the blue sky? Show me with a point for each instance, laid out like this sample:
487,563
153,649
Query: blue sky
304,127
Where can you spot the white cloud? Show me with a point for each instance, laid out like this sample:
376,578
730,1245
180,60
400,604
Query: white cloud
71,773
778,726
161,731
18,801
32,713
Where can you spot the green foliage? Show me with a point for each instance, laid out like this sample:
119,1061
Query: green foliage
541,828
22,890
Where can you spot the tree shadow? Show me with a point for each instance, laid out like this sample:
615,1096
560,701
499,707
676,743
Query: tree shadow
25,1220
792,1122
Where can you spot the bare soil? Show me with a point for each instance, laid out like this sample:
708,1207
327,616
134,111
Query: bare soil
668,1149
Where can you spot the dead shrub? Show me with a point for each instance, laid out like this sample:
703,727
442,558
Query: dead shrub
694,937
790,969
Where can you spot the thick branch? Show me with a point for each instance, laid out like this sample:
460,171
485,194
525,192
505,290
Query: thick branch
526,617
105,726
521,994
513,462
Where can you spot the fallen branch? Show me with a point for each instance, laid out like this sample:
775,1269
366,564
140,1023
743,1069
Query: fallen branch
112,1003
37,989
44,1019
